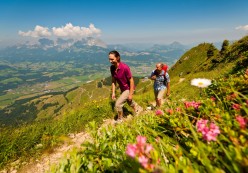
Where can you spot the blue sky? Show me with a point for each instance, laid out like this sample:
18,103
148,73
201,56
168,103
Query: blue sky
124,21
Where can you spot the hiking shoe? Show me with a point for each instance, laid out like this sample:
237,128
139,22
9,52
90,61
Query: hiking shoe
118,121
138,110
149,108
153,107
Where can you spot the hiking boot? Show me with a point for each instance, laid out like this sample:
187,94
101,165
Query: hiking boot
118,121
138,110
153,107
149,108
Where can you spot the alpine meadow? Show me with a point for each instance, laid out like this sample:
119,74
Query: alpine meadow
197,129
132,86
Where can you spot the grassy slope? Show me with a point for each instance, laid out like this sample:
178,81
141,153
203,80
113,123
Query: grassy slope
77,109
179,147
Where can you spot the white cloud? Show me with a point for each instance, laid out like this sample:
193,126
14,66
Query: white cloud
76,31
68,31
39,31
245,28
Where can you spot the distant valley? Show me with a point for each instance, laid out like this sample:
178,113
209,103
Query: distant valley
31,69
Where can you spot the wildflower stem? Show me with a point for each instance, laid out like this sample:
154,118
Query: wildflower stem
229,157
200,92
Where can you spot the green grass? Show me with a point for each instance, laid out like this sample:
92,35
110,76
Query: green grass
177,146
181,147
21,142
11,80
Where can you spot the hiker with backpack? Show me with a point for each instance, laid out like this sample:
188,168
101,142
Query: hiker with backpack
161,83
122,75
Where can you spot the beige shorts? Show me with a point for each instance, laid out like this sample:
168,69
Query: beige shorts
122,99
159,94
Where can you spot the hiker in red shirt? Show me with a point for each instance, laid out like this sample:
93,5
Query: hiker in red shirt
121,74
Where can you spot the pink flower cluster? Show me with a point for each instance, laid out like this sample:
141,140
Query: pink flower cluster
209,133
178,109
141,150
242,121
213,98
192,104
236,106
159,112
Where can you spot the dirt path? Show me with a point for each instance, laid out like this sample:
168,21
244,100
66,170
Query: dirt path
181,79
44,163
47,160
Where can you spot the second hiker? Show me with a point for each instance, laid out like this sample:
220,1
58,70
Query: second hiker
161,82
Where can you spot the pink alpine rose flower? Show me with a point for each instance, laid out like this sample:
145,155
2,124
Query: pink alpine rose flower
159,112
141,151
236,106
201,125
178,109
187,104
213,98
210,136
192,104
196,104
209,133
131,150
214,128
141,140
143,161
242,121
148,149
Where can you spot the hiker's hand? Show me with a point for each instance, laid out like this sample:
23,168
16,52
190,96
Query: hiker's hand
153,77
113,96
167,94
130,97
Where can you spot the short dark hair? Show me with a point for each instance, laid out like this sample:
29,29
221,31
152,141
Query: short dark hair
116,54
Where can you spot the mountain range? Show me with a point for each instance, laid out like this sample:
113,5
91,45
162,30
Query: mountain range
61,49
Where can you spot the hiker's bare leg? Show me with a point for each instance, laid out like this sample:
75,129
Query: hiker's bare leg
158,102
160,97
120,114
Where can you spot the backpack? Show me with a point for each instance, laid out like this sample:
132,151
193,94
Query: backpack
165,79
165,67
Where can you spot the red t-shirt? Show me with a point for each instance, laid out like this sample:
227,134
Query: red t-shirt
122,75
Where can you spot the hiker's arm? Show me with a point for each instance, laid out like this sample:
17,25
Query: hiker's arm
168,89
153,76
113,87
130,97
